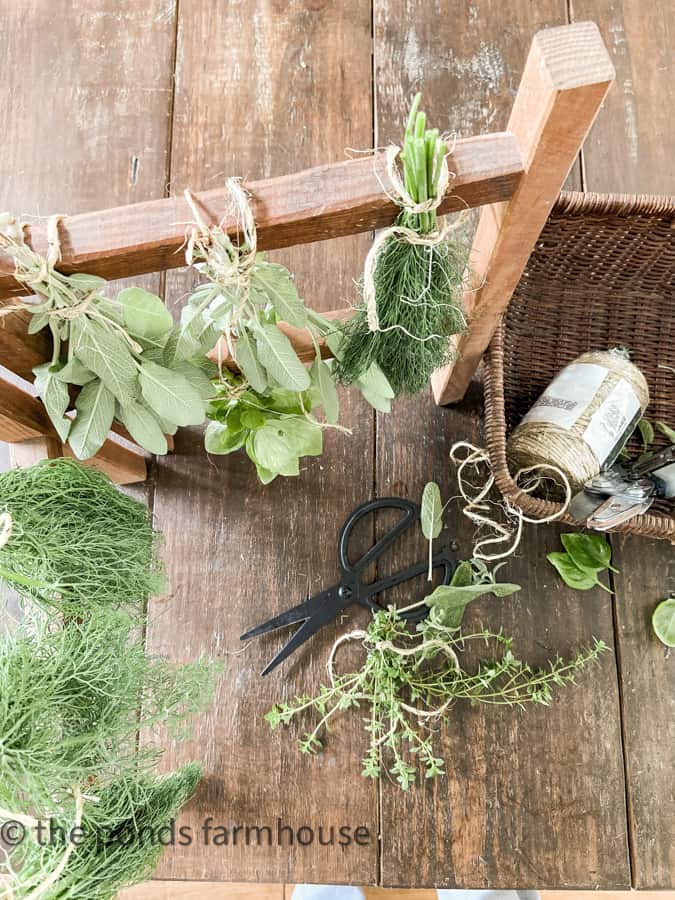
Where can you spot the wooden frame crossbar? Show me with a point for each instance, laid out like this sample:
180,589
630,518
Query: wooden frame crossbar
515,176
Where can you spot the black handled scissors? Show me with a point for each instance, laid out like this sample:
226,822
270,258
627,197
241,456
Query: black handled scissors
320,609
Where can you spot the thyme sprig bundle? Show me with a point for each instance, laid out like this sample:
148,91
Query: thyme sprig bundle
271,410
126,356
408,684
413,274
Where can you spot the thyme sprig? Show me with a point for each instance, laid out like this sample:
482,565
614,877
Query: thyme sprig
408,684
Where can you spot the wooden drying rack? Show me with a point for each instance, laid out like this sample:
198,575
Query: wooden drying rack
514,175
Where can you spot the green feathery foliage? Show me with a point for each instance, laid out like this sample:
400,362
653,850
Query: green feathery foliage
417,287
76,541
136,815
408,683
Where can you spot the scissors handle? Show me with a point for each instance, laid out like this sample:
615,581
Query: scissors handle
443,558
412,512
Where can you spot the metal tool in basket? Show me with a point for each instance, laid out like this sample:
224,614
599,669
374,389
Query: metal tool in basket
621,492
322,608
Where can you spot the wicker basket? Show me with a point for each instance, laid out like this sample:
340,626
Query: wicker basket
601,275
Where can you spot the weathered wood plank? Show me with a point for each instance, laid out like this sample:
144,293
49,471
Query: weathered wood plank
101,139
321,203
567,74
532,799
239,552
629,151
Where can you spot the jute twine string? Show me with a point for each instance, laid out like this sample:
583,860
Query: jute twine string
479,508
539,443
401,197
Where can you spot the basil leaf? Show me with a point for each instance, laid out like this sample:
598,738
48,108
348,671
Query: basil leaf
303,436
277,355
663,622
170,395
95,407
144,428
276,284
646,430
107,355
323,379
588,551
144,314
448,602
55,396
272,451
247,360
571,574
75,373
218,438
265,475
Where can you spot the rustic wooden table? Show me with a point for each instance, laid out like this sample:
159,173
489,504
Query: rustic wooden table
112,101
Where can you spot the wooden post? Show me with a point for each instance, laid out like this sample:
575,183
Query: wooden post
25,425
567,75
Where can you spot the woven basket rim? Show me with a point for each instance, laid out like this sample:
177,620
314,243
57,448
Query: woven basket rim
582,202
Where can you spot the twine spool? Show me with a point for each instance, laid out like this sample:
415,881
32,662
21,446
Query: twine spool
584,417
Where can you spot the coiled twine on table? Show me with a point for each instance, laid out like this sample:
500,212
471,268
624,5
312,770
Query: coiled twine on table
584,417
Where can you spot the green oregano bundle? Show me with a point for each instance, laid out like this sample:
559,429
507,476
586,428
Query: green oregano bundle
413,276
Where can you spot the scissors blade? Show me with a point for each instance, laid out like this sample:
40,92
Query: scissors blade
323,615
296,614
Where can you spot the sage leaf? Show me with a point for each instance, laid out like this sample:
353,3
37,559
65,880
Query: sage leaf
75,373
144,428
170,395
663,622
571,574
38,321
588,551
107,355
277,355
144,314
431,518
449,602
323,379
276,283
199,380
666,430
375,388
54,394
95,408
247,360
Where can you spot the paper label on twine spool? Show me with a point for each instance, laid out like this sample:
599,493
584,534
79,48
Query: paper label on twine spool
613,421
568,396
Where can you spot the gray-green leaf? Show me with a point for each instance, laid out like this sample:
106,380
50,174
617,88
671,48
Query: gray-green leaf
144,314
247,360
277,355
107,354
170,395
54,394
144,428
431,514
323,379
75,373
95,407
667,430
276,283
448,602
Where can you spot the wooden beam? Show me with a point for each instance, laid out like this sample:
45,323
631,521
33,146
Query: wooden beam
23,419
567,75
314,205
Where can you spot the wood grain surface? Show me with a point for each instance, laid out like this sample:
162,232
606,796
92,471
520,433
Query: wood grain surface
533,799
321,203
239,552
628,151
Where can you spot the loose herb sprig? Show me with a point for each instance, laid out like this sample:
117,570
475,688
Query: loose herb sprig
408,684
587,556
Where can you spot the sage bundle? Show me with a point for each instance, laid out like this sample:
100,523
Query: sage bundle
270,407
125,357
413,275
70,539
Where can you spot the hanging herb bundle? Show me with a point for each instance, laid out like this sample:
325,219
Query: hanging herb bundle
70,538
270,409
72,701
409,682
413,274
129,361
